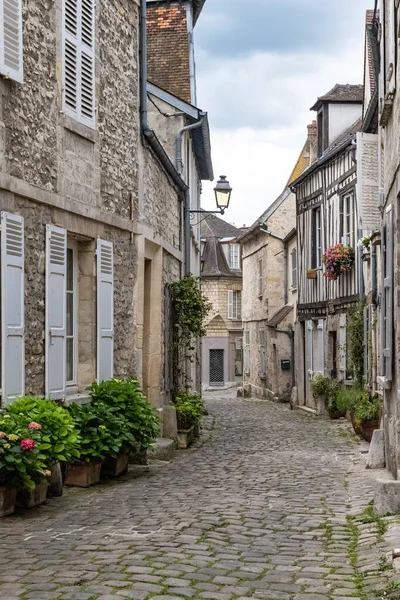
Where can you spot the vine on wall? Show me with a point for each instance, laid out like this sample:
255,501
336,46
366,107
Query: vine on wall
355,342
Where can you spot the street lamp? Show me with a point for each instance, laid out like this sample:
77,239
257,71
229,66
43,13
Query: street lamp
223,193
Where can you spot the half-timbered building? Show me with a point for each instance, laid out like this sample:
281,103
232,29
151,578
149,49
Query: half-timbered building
327,214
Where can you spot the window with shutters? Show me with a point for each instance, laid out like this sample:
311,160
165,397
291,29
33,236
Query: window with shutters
234,256
234,305
316,258
78,60
246,352
347,220
294,268
11,46
72,312
260,278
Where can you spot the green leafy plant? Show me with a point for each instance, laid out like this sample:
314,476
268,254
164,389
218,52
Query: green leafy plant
101,431
355,342
189,309
320,386
127,400
22,465
367,408
189,409
347,398
331,396
59,438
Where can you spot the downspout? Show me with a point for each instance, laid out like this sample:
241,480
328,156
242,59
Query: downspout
179,168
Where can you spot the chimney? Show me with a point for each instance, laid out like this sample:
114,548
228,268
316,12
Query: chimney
312,131
169,47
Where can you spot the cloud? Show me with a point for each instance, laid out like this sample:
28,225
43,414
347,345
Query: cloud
258,94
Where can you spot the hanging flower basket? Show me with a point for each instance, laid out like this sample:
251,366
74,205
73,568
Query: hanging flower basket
337,260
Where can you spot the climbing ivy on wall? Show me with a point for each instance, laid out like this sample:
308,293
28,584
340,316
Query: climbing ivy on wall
355,342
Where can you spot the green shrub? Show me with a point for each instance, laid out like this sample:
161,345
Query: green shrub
102,432
189,409
127,398
347,398
320,386
332,396
59,439
21,462
367,408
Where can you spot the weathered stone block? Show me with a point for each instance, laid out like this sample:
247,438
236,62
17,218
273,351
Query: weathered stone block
376,455
170,427
387,497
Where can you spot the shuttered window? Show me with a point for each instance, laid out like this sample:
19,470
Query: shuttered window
11,48
105,310
12,307
294,268
234,256
246,355
387,301
78,60
234,305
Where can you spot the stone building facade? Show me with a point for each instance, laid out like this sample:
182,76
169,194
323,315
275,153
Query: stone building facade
92,221
222,355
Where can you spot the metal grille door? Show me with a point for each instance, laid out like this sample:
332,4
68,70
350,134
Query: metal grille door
216,367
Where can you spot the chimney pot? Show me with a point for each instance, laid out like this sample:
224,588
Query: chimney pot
312,131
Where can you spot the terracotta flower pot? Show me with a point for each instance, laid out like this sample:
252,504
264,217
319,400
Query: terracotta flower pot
8,496
311,274
112,467
367,429
32,498
83,474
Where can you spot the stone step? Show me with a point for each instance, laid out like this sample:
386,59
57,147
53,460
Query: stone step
162,449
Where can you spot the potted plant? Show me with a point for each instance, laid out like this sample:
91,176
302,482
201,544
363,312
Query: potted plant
128,402
336,409
59,438
366,414
189,410
320,387
337,260
100,434
312,274
22,465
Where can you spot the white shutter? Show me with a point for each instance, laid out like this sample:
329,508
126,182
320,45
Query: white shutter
12,307
11,46
56,299
247,352
78,60
321,347
230,304
260,278
309,348
105,311
367,181
387,308
390,47
342,346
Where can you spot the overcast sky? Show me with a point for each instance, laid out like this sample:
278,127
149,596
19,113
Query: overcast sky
260,66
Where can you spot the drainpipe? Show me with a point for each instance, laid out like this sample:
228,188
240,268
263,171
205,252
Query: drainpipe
179,168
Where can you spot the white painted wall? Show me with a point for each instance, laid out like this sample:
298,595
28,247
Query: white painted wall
342,116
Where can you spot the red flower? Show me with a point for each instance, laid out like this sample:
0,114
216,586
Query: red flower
34,425
27,444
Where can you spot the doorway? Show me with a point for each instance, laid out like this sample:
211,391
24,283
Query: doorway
217,367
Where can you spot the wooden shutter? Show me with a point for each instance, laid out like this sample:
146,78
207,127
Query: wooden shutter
56,299
11,45
12,307
342,346
387,308
309,348
294,268
321,347
105,310
247,351
390,47
230,304
78,60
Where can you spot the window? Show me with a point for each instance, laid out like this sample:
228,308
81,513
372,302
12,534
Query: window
246,355
72,307
294,268
11,48
260,278
262,366
234,305
347,221
78,60
234,256
316,261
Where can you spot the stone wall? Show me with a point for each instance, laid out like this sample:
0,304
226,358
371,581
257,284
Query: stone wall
216,290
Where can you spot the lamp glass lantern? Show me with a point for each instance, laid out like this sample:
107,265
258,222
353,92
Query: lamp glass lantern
222,193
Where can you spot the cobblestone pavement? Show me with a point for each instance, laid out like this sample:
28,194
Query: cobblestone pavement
273,505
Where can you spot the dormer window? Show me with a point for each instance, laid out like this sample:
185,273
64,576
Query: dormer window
234,256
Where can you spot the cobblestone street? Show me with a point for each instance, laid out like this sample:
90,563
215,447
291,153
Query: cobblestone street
273,505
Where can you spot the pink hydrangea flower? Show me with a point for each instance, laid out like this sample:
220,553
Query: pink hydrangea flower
34,425
2,435
27,444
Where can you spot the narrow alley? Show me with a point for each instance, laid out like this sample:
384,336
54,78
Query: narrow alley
272,505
